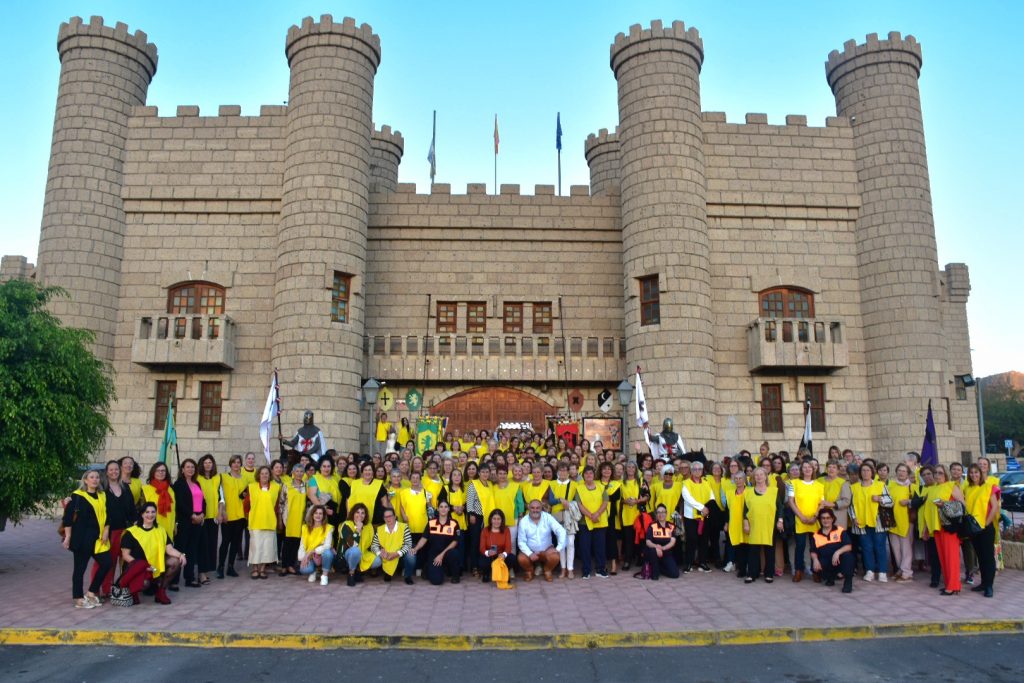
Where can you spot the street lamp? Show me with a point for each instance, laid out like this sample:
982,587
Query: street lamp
625,390
970,381
370,390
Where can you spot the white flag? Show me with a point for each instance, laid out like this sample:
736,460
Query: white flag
806,441
640,403
270,411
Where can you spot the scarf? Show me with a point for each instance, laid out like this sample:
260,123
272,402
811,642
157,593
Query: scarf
163,499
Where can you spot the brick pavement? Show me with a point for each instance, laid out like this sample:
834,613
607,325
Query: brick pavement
35,592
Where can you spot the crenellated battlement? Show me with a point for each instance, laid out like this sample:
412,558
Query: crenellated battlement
760,119
326,32
602,143
77,33
657,37
384,137
894,48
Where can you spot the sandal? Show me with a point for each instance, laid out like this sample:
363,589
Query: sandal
263,574
205,580
254,575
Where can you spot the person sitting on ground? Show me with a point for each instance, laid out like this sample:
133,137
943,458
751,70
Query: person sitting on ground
316,547
392,542
660,541
149,556
356,540
496,543
535,531
832,551
439,544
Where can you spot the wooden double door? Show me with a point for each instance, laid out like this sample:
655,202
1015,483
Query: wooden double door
485,407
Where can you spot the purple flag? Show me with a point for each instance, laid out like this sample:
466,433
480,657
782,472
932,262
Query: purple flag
929,450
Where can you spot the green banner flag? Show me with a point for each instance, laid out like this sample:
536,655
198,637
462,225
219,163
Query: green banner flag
170,434
428,433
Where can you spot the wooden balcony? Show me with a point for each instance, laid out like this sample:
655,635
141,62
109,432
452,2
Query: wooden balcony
781,345
201,341
508,358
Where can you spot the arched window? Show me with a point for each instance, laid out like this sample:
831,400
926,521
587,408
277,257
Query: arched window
202,298
786,302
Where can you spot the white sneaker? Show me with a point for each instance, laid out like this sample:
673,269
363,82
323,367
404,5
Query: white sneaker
869,576
728,567
312,577
323,579
882,578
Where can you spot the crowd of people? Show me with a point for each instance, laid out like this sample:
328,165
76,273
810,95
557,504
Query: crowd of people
523,506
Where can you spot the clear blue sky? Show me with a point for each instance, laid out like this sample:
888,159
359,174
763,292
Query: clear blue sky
527,60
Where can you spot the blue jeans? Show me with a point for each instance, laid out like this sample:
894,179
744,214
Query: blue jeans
352,558
407,562
799,563
591,541
874,546
326,560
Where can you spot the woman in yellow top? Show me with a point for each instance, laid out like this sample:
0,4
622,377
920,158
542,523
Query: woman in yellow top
322,489
233,491
209,481
404,433
982,503
455,494
356,538
928,522
716,518
264,497
563,490
806,496
901,537
762,520
87,536
316,545
867,494
592,499
947,542
837,492
432,482
294,496
369,491
130,473
736,540
158,490
612,488
668,491
383,429
630,501
414,506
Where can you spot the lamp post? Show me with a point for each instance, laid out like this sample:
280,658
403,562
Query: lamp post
970,381
625,390
370,390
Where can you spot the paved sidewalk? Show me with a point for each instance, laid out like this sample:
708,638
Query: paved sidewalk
35,593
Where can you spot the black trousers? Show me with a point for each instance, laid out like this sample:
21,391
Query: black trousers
449,565
82,558
713,530
847,565
666,564
753,557
985,548
696,544
472,555
208,546
188,540
289,552
933,561
230,542
631,553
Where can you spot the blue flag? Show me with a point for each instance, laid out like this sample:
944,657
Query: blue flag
930,449
558,131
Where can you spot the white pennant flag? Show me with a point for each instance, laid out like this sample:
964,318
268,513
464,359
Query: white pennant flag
270,411
640,403
806,441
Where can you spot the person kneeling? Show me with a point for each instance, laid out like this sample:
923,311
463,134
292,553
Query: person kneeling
832,552
440,542
535,530
391,543
659,544
150,559
316,545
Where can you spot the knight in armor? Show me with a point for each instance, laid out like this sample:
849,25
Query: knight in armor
309,440
667,444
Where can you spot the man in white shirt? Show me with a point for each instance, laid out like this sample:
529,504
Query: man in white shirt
535,530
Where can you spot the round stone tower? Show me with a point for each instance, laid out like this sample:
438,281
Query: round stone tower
602,154
322,231
664,223
386,147
876,87
104,72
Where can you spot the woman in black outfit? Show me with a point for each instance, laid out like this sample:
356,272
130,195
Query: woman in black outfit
189,513
121,514
87,536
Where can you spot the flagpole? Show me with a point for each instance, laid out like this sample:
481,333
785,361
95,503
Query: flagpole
559,172
558,146
433,150
565,351
177,455
495,154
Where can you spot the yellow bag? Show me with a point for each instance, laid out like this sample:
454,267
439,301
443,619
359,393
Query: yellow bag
499,574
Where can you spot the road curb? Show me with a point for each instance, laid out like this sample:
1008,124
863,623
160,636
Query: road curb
455,643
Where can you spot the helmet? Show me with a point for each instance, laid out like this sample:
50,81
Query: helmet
666,426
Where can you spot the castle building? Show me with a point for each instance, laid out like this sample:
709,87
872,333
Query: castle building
747,267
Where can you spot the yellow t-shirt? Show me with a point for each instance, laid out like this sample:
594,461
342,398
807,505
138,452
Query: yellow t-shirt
807,495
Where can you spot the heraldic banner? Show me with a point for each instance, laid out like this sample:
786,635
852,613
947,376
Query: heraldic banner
429,431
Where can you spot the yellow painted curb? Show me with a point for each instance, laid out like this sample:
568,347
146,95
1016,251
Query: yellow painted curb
454,643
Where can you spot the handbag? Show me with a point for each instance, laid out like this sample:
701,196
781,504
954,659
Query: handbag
969,527
886,513
120,597
951,513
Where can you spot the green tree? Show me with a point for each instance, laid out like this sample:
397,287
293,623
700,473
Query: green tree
54,396
1004,414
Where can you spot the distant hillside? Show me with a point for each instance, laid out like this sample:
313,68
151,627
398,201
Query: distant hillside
1012,379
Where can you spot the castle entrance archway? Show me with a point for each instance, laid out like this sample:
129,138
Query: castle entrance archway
485,407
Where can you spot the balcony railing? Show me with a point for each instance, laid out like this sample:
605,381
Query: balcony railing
780,344
511,357
185,340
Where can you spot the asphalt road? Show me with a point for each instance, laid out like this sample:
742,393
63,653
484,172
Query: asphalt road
951,658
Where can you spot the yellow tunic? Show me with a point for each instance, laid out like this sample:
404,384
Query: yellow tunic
367,494
760,511
382,430
327,486
630,489
701,490
505,500
864,507
832,488
312,539
976,500
563,491
807,495
262,515
898,493
592,500
734,504
99,507
390,541
211,494
294,510
414,509
154,544
165,522
669,497
485,492
434,487
136,486
233,488
533,492
457,498
364,540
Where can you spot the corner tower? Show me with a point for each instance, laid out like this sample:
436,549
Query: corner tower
664,222
876,86
104,72
323,222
